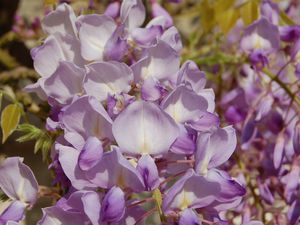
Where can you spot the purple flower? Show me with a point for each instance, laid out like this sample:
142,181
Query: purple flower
141,123
113,205
17,181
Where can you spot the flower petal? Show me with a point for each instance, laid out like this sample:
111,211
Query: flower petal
143,128
107,78
17,180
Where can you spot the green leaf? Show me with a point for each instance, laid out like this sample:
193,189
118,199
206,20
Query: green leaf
43,142
207,15
286,19
30,132
221,6
158,200
7,60
227,19
249,12
10,119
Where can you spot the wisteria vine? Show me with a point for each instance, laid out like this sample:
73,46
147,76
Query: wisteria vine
136,137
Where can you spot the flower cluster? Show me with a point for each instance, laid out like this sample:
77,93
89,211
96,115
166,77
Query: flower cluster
138,131
264,106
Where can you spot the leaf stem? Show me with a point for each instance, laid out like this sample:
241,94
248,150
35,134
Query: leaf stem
282,85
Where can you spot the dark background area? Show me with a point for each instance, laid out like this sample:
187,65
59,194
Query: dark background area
20,52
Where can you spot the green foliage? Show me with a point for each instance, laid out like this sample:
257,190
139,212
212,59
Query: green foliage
249,12
7,60
43,140
3,197
286,20
158,200
225,14
10,119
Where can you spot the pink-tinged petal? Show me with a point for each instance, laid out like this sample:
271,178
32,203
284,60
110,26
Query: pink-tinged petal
296,138
36,88
157,21
189,217
107,78
249,131
143,128
56,48
294,212
209,95
185,143
17,180
116,47
47,56
132,13
115,169
204,122
68,158
253,222
190,191
75,139
87,117
183,104
113,10
91,153
162,63
172,37
289,33
61,20
92,207
148,170
94,33
271,11
150,90
261,35
265,193
64,83
278,150
264,107
146,36
15,212
113,205
230,189
190,75
56,216
214,148
11,223
157,11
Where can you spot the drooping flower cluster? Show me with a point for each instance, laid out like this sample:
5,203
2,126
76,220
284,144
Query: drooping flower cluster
133,122
264,107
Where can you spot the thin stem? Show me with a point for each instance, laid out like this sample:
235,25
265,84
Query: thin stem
140,202
171,178
145,215
282,84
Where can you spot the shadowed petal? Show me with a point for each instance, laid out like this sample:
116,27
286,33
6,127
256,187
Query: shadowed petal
107,78
214,148
91,153
64,83
94,33
61,20
87,117
132,13
148,170
113,205
184,105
